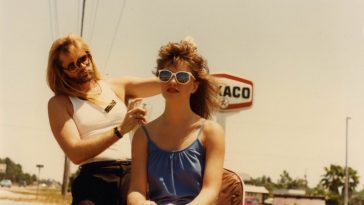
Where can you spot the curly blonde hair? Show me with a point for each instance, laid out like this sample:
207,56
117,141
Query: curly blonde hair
205,100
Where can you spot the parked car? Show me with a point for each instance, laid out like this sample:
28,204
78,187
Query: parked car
22,183
5,183
252,201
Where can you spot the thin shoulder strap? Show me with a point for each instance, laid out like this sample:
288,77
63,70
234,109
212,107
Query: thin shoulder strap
201,129
146,132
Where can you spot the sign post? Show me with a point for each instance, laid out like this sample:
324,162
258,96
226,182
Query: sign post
40,166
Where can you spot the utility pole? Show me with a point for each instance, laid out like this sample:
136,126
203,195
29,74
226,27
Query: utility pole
66,169
66,173
346,199
40,166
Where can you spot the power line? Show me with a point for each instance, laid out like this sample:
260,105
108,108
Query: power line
53,18
115,32
94,21
56,29
50,19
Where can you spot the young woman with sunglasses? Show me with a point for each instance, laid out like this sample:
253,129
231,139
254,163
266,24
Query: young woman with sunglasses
178,157
88,118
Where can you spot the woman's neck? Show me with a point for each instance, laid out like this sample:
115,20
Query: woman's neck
175,113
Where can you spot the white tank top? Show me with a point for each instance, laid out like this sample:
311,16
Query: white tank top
92,120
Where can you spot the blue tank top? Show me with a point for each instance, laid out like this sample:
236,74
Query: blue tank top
175,176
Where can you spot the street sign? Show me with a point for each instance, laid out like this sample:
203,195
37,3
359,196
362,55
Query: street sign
235,92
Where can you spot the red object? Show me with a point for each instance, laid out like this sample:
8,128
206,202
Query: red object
236,92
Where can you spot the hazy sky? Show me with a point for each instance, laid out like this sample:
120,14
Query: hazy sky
305,58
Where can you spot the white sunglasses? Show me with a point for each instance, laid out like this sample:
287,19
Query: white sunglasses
182,77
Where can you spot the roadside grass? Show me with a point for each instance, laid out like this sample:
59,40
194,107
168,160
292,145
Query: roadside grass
45,195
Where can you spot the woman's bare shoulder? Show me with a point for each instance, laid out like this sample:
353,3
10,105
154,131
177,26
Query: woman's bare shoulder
212,126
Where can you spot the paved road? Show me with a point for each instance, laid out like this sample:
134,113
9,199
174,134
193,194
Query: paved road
7,202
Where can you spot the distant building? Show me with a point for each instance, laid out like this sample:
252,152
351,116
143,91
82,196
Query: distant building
298,199
299,192
295,197
258,193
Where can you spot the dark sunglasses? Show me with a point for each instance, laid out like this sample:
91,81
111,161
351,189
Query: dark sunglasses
74,66
182,77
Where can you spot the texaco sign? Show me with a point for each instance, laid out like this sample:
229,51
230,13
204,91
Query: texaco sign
235,92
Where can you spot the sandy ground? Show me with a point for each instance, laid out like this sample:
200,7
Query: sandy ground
8,202
10,198
5,193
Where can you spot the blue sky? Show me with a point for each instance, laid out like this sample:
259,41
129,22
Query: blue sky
305,59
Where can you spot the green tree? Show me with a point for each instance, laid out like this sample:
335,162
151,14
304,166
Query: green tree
284,181
352,182
334,181
298,184
265,181
319,190
261,181
287,182
15,172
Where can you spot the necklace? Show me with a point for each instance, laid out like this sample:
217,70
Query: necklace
96,90
100,99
